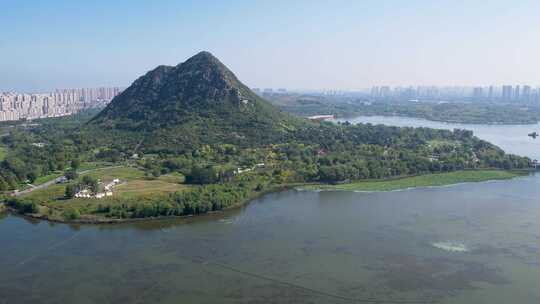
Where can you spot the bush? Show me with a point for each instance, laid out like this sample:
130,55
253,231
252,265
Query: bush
22,206
71,214
75,164
71,190
202,176
71,174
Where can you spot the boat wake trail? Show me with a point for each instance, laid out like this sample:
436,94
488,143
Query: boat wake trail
51,247
318,292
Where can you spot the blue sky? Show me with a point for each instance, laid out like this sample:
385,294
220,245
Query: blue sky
292,44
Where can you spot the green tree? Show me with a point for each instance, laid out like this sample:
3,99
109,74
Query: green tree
71,214
71,174
32,176
75,164
91,183
202,175
71,190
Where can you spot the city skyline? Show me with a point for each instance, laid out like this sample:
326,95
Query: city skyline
485,88
504,93
294,44
60,102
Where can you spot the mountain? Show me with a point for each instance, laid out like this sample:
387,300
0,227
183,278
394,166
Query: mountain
199,101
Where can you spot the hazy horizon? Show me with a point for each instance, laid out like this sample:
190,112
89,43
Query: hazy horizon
304,45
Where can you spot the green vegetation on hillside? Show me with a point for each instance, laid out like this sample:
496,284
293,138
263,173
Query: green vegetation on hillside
3,153
427,180
180,108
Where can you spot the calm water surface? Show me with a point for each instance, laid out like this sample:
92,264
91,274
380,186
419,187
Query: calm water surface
470,243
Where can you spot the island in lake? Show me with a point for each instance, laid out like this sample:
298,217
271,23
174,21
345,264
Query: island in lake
192,139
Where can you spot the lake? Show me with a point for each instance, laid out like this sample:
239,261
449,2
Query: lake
469,243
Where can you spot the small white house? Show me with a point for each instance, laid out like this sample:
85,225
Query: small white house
240,170
110,185
85,193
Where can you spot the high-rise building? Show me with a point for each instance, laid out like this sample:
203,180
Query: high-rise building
517,93
507,93
15,106
478,93
385,92
526,94
375,92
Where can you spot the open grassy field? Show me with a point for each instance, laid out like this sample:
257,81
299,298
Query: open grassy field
43,179
174,177
122,173
51,193
139,187
93,165
134,184
3,153
440,179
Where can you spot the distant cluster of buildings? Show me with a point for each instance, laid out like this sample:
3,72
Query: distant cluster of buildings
61,102
508,93
107,191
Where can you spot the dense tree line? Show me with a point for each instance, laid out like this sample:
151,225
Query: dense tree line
333,153
456,112
197,201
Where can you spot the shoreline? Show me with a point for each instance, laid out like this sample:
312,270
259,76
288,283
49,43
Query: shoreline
459,122
403,189
411,182
95,220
